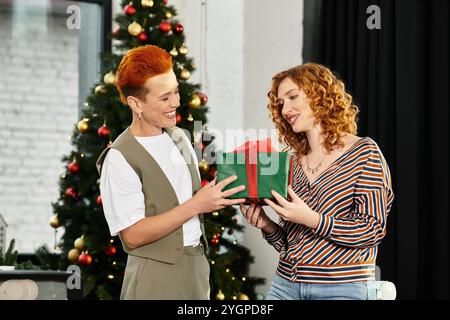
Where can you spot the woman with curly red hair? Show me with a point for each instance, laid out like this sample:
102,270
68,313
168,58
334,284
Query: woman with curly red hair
340,197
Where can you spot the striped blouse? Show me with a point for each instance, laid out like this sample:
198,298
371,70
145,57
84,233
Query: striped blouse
353,197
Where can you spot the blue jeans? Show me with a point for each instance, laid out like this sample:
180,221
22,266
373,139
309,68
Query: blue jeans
282,289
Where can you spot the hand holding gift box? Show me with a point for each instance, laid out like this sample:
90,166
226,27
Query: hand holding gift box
259,167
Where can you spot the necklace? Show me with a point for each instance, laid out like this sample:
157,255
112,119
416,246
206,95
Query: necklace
316,168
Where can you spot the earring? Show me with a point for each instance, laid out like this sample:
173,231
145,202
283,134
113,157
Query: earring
140,115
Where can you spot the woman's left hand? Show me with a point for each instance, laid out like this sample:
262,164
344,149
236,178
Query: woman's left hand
296,210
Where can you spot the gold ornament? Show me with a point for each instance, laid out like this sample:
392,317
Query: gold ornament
134,28
193,66
173,52
168,15
220,295
73,255
185,74
79,243
147,3
83,125
54,221
243,296
195,102
109,78
190,117
183,49
203,166
100,89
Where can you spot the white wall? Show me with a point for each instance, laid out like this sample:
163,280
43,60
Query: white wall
238,46
273,42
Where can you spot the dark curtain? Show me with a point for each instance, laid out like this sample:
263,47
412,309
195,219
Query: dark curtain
399,78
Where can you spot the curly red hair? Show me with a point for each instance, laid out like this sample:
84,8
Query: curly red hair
332,106
138,65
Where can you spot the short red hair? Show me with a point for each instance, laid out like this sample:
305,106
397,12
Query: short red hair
138,65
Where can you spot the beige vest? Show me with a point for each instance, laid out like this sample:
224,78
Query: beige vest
158,192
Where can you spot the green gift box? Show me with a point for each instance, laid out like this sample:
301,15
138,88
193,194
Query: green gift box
258,168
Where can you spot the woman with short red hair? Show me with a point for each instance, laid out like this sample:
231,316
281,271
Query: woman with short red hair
340,197
148,179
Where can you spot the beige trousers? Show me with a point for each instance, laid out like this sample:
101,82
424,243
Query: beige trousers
187,279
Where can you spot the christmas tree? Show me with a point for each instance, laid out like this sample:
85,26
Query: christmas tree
86,240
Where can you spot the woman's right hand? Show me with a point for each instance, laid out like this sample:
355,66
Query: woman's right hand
211,197
256,216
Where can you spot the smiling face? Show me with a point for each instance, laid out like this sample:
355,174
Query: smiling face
159,105
296,106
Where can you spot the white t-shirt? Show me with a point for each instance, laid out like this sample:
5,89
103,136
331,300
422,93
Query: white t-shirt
121,188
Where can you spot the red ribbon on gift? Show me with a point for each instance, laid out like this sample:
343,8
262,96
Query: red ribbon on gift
251,149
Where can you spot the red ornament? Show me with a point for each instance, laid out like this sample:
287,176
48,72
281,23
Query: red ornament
110,251
165,26
71,193
203,97
214,241
73,167
179,28
103,131
129,10
143,36
99,200
85,259
166,1
179,118
204,182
